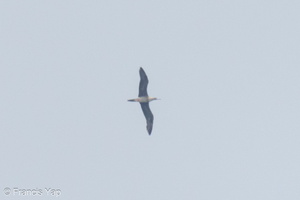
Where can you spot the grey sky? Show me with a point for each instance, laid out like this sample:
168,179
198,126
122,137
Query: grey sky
227,126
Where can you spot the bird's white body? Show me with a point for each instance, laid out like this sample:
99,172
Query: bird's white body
143,99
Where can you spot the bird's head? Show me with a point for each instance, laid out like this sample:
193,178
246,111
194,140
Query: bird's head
153,98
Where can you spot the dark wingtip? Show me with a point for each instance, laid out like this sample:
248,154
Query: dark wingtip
149,130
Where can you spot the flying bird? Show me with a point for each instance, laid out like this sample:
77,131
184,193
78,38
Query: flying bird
144,100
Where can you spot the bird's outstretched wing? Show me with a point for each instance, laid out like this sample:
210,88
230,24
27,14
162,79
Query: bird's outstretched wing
143,84
148,115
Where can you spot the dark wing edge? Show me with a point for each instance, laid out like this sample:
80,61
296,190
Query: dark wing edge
143,84
148,115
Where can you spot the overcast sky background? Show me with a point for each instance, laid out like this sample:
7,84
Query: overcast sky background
227,72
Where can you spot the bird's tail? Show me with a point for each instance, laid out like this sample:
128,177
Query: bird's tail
132,100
